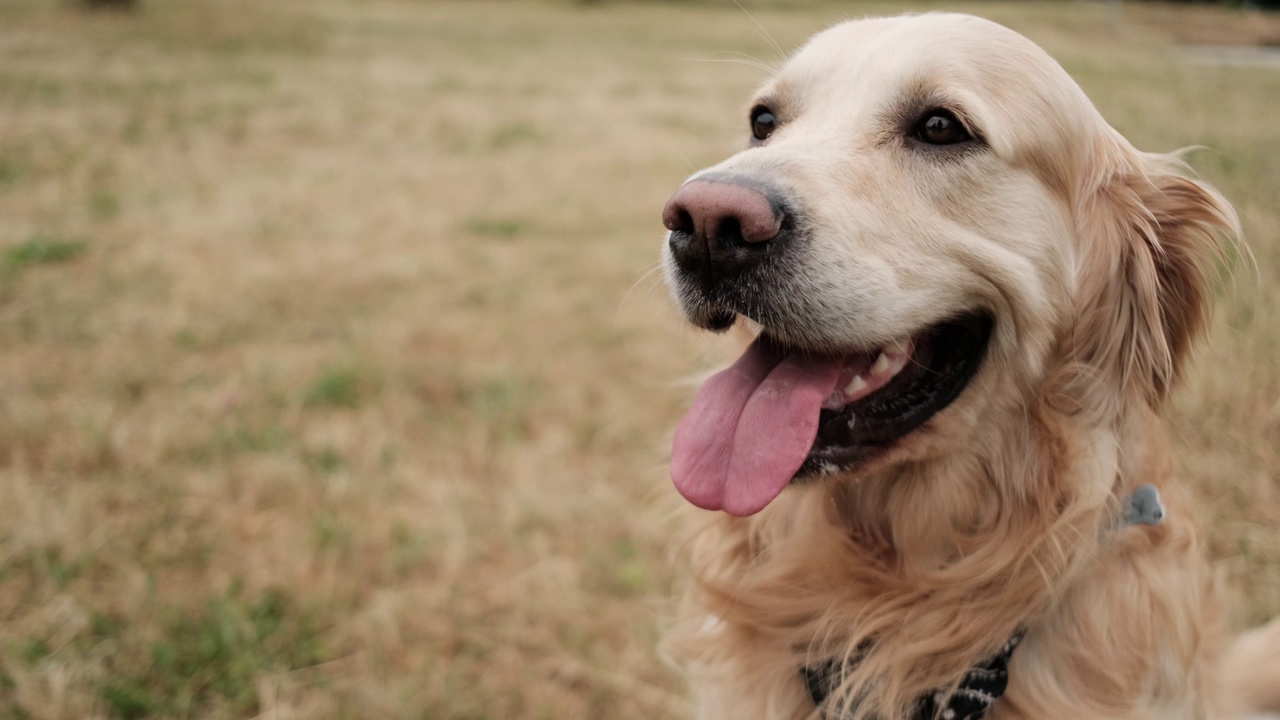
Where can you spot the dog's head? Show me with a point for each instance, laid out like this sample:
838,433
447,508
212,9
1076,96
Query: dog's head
931,221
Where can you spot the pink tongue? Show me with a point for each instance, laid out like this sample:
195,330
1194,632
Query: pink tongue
750,429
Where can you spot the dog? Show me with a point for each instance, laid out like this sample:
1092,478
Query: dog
941,480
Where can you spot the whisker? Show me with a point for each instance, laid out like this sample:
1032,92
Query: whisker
756,64
764,33
656,266
682,157
772,70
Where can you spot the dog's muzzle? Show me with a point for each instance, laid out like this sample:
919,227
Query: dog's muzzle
723,228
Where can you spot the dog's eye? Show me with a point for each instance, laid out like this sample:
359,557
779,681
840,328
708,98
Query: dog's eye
940,127
762,123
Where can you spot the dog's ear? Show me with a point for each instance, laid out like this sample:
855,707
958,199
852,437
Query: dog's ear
1152,242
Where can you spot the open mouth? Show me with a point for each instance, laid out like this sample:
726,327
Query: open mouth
780,413
895,393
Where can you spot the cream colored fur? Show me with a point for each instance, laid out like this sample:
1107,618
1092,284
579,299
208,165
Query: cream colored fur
996,514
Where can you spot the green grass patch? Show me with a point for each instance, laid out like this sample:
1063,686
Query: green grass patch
330,532
498,228
338,387
35,650
42,250
504,404
7,683
50,564
129,699
187,339
508,136
620,570
10,171
210,659
104,204
326,460
497,397
25,87
255,439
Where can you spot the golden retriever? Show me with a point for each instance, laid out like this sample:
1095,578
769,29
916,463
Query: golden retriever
967,298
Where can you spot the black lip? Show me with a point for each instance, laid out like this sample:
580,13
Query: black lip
950,355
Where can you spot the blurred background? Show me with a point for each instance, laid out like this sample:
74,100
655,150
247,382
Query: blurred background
335,378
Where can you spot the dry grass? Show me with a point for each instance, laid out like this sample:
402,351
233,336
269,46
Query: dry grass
332,383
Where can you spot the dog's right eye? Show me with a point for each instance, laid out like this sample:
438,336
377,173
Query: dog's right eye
762,123
941,127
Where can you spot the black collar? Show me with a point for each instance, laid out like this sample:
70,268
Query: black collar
982,685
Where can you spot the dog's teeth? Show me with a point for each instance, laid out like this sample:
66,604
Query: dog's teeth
881,364
856,384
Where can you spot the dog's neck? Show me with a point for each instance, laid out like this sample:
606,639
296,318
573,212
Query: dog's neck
927,513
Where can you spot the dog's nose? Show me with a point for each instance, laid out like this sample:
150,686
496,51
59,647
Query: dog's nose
721,224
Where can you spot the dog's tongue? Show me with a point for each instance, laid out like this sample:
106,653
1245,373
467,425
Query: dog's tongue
750,429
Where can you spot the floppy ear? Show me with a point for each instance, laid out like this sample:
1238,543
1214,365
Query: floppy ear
1152,237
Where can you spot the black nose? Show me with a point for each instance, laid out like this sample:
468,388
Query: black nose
722,225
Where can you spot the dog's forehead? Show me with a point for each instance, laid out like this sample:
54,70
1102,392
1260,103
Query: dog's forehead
933,40
1022,101
863,60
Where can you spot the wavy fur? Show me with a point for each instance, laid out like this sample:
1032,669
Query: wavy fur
927,562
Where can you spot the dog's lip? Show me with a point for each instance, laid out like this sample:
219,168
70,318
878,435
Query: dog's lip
717,321
944,358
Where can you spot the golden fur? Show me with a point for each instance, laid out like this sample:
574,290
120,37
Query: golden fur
1000,512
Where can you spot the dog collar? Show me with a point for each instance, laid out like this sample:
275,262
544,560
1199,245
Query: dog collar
984,683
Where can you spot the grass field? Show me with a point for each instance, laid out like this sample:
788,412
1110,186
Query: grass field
333,383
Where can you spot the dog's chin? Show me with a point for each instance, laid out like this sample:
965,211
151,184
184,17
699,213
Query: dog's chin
944,358
709,317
